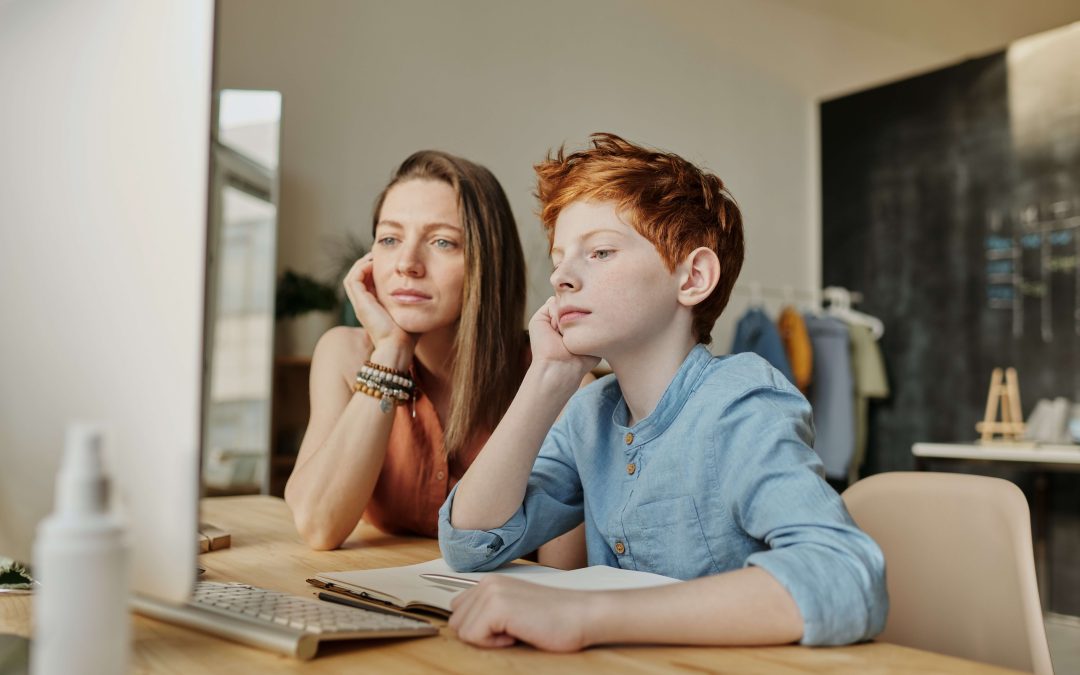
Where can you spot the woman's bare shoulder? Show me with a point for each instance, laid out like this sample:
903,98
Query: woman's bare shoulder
342,348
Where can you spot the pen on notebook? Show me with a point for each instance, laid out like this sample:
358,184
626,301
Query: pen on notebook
449,580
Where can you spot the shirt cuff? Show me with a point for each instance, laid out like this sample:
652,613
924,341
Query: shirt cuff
835,611
478,550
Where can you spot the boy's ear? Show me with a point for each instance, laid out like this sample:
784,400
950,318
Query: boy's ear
698,273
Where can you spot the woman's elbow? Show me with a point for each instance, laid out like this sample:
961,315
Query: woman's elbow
322,541
318,536
312,528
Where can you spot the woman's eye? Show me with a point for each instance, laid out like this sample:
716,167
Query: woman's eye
387,241
445,243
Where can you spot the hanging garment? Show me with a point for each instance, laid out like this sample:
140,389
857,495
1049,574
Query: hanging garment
756,333
868,370
797,347
831,394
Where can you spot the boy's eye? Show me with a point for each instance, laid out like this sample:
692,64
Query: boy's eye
602,253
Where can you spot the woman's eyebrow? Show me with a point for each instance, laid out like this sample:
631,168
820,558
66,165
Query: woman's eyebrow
425,228
439,225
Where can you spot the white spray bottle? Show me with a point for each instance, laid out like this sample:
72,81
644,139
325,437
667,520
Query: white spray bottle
81,620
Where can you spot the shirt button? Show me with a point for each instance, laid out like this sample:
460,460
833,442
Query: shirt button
629,438
440,475
631,468
619,548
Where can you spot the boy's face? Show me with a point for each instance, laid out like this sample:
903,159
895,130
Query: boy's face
613,291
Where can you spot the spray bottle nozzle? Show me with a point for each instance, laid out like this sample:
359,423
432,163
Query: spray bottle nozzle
81,485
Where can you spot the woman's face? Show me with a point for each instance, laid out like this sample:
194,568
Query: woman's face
419,255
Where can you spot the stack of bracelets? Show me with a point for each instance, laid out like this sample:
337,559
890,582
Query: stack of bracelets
392,387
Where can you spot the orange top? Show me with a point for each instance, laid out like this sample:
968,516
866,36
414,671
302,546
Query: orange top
797,345
416,476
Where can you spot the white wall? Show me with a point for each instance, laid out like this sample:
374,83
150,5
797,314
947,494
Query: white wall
732,84
365,84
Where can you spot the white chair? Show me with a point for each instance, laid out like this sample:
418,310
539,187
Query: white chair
959,565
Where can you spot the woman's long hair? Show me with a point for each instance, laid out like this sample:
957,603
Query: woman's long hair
488,350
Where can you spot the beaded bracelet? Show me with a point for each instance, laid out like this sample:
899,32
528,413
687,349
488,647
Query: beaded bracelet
383,377
385,369
389,395
398,393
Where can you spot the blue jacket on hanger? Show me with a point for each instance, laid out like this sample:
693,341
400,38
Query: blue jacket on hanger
757,333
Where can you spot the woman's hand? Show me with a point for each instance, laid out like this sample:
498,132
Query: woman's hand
547,342
384,332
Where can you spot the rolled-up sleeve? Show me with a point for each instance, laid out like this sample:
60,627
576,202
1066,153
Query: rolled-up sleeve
833,570
552,505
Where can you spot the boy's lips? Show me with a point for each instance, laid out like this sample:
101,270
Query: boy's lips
570,314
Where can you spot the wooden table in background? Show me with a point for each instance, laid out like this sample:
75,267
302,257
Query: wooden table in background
267,552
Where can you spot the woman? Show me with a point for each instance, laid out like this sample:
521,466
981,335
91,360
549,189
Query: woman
401,406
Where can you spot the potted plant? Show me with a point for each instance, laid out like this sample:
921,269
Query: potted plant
305,308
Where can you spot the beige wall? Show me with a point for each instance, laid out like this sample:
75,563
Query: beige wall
365,84
731,84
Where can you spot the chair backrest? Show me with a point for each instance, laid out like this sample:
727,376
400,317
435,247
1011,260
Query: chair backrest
959,565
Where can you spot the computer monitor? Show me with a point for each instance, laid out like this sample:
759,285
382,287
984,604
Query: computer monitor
104,153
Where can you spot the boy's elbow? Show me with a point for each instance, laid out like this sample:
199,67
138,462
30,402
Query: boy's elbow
879,600
459,555
457,562
459,558
874,595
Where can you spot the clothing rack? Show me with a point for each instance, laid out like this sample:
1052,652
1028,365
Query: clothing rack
756,291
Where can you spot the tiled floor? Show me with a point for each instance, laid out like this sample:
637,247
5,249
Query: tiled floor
1063,634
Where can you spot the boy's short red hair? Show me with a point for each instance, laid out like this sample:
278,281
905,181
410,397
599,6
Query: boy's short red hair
669,201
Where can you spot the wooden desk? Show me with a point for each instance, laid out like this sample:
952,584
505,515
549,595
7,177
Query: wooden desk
266,551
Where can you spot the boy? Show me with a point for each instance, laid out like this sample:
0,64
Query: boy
681,463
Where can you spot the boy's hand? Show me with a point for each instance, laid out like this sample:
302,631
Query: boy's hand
547,342
380,326
499,611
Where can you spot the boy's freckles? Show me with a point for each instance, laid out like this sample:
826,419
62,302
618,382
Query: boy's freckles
611,286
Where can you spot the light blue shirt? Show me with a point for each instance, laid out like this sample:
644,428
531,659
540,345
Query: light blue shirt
721,475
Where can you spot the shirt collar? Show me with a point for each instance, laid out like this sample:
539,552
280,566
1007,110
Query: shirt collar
671,402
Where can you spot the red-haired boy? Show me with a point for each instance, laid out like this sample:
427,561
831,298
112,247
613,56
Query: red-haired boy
681,463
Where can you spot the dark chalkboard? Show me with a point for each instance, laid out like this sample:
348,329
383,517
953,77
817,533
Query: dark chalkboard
963,241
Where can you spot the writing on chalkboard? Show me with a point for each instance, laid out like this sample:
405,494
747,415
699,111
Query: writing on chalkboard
1024,251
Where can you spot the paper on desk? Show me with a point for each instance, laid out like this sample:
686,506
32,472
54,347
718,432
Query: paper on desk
599,578
404,587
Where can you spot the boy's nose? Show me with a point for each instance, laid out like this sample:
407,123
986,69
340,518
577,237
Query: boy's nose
563,279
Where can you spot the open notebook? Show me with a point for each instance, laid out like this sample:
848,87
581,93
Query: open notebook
429,587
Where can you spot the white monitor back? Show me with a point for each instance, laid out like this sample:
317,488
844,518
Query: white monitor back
104,149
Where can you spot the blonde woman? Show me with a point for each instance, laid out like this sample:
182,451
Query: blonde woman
402,406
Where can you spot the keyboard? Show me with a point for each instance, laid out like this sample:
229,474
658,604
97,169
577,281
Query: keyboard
278,622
